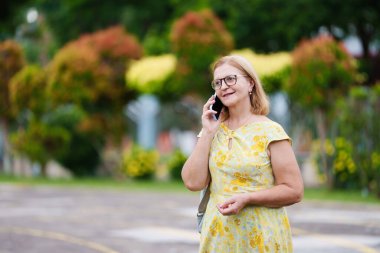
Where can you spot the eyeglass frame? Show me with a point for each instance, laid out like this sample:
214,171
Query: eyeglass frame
224,79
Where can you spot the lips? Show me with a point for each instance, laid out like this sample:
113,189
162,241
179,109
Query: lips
228,94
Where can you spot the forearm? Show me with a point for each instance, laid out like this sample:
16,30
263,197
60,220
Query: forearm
277,196
195,172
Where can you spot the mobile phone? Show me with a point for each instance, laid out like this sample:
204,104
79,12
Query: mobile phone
217,106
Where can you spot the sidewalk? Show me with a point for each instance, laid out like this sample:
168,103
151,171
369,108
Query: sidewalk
54,219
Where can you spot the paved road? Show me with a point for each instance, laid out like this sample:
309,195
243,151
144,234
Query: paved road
52,219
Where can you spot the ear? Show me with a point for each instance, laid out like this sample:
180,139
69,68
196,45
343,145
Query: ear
252,85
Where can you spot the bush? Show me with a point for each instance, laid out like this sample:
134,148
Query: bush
144,76
340,155
175,164
85,160
139,163
41,143
358,111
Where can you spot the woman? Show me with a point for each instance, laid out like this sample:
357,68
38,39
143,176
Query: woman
249,163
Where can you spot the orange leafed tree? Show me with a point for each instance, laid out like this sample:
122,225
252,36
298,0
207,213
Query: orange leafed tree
90,73
322,72
198,38
11,61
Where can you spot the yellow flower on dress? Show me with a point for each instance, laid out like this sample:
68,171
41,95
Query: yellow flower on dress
241,179
258,143
217,228
245,167
257,242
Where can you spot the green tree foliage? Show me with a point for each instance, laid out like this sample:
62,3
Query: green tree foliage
272,25
357,17
358,111
11,15
275,25
40,143
27,91
40,127
149,20
70,19
322,71
269,25
89,72
81,156
198,38
175,163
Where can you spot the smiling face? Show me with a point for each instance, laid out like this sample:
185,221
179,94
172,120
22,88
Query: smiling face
234,94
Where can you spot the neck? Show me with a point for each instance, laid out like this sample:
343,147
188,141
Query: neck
239,116
239,112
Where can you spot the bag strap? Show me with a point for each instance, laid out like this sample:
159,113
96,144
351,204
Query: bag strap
206,196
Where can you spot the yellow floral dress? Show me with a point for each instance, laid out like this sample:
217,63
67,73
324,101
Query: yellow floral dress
240,165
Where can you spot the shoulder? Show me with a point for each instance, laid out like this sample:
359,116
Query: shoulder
276,132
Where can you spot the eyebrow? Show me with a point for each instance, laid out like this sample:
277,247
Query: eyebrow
226,76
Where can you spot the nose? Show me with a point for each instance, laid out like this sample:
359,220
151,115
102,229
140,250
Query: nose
225,84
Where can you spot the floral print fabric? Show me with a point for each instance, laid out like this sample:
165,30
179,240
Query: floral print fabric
239,163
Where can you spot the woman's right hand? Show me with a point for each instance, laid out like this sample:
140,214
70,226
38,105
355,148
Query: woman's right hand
209,124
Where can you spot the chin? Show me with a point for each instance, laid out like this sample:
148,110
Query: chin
229,102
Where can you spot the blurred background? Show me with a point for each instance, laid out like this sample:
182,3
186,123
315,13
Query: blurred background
115,89
112,91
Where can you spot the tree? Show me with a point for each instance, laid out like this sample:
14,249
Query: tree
41,143
85,158
11,16
198,38
27,91
269,25
149,20
69,19
358,110
11,61
322,71
274,25
89,73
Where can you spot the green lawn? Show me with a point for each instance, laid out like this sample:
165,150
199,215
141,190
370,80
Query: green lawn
173,186
99,183
340,195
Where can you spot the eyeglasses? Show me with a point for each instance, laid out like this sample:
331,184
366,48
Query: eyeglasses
228,80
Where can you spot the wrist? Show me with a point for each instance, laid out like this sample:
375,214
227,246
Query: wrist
247,198
207,133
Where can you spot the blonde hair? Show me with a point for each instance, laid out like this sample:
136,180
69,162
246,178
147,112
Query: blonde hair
258,98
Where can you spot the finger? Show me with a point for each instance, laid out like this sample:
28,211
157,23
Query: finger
209,102
207,105
209,113
227,211
227,203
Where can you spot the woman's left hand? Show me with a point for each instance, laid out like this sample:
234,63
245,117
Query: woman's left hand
233,205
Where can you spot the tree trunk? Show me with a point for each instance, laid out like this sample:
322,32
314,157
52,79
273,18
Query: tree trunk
321,129
6,160
43,172
365,38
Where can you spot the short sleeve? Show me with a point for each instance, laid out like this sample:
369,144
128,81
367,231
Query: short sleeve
277,133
